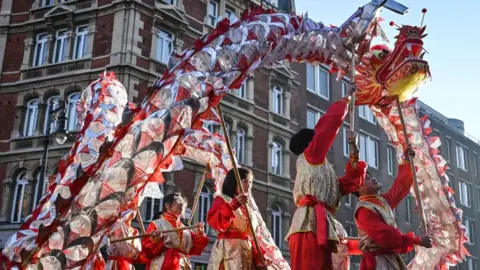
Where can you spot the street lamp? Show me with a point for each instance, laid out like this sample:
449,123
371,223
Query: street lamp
60,134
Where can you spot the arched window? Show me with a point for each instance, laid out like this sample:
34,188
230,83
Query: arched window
52,104
205,202
277,158
40,187
240,145
31,117
19,201
153,206
277,226
73,100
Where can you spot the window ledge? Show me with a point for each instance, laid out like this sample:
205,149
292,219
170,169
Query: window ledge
56,68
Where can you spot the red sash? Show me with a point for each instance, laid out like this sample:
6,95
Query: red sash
321,217
233,235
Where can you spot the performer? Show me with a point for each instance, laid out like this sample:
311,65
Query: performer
170,251
317,191
381,241
234,248
346,248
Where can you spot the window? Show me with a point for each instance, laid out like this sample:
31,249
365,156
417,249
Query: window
170,2
368,150
153,206
348,200
19,202
52,104
277,100
277,226
273,2
475,164
276,158
72,122
229,13
464,193
470,226
31,118
390,160
40,187
447,145
209,127
227,127
317,81
462,157
472,263
346,146
344,88
40,50
478,199
408,209
60,48
365,113
81,37
240,145
46,3
204,206
349,230
212,13
312,118
242,91
164,46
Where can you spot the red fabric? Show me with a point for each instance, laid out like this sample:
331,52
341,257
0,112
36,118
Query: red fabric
320,213
326,130
352,246
221,215
152,249
388,238
317,257
123,263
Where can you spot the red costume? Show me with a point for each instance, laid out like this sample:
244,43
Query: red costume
381,240
317,192
234,248
172,250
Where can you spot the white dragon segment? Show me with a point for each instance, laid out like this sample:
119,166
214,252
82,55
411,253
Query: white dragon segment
443,218
150,142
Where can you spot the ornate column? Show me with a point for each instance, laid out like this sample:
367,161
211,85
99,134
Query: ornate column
6,192
286,162
178,42
18,123
69,44
288,97
27,54
49,49
89,46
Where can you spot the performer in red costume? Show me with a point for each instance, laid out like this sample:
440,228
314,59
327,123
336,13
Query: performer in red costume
234,248
170,251
317,191
381,241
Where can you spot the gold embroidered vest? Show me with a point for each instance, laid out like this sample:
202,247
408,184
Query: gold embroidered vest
171,240
234,253
366,244
321,182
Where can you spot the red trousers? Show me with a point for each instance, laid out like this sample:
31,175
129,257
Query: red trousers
306,254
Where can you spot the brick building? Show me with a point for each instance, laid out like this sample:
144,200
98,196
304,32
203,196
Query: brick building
51,49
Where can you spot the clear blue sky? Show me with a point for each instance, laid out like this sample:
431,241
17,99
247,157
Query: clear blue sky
452,42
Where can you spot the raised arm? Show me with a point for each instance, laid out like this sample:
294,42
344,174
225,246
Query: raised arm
326,130
401,187
353,178
221,214
383,235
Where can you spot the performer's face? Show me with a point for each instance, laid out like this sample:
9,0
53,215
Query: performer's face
247,184
371,186
177,207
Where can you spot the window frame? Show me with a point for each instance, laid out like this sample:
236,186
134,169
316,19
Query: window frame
277,149
448,145
46,3
152,201
365,154
475,164
20,180
277,99
242,91
72,118
40,40
56,105
366,113
83,37
316,117
461,194
38,195
316,81
164,38
240,143
30,124
277,217
470,225
390,162
60,37
205,197
460,148
170,2
212,19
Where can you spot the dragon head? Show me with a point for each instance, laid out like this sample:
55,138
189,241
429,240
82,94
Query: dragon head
383,74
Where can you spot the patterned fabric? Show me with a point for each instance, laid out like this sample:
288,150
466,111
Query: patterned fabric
234,253
321,182
172,240
341,260
366,245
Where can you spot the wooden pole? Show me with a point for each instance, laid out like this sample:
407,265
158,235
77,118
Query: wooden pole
354,152
239,181
151,234
140,221
423,224
199,191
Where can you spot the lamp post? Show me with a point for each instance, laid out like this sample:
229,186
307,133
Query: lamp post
60,134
